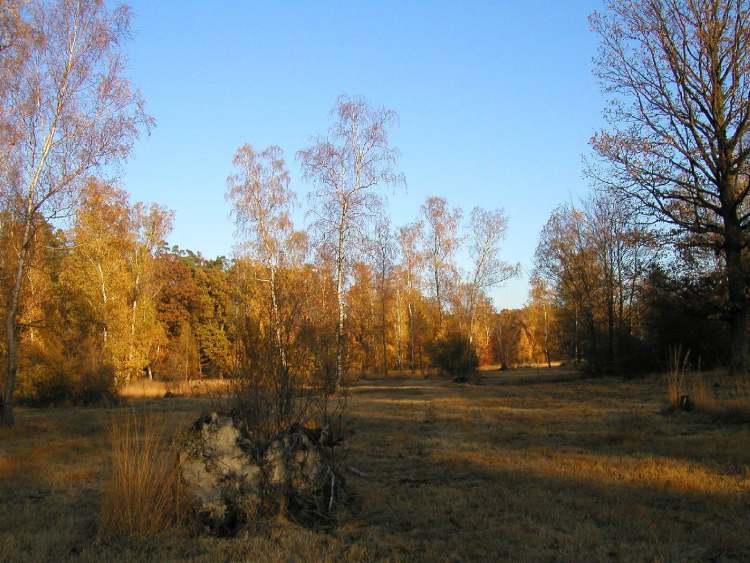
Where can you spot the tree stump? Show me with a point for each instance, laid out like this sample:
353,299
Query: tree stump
231,482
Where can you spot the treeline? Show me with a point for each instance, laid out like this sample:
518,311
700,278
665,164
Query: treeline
107,301
94,298
658,257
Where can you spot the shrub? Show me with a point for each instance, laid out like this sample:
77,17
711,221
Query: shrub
66,385
143,497
268,400
455,355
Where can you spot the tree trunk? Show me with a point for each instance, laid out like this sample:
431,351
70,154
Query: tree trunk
384,332
737,304
11,327
410,312
340,325
277,321
439,300
546,336
399,351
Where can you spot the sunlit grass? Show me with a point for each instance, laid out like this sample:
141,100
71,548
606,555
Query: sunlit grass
142,498
153,389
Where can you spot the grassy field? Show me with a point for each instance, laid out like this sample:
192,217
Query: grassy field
536,465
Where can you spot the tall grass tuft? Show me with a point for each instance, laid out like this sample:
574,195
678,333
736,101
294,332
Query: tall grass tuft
677,376
143,497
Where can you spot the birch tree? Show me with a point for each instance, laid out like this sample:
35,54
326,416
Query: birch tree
487,230
69,110
346,167
150,225
261,203
440,241
111,266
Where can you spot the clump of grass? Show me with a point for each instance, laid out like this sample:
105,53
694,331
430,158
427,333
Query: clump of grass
143,497
677,380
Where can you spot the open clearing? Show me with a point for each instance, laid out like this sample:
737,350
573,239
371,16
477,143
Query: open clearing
514,469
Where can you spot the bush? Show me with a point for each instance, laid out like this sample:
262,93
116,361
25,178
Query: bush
455,355
65,385
268,400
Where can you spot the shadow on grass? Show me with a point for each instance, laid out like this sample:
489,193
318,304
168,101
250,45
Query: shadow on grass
481,512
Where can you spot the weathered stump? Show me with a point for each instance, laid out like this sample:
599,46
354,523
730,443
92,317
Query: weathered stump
232,482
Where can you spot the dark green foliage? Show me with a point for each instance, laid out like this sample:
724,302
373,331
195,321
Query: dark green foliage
455,355
66,387
685,311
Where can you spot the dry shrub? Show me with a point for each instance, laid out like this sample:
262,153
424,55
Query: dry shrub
143,497
69,383
269,400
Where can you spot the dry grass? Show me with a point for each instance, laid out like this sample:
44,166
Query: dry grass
724,398
142,498
578,470
152,389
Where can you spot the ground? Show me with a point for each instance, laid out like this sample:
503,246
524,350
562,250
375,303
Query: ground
532,466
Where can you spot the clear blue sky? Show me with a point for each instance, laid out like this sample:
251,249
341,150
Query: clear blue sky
496,101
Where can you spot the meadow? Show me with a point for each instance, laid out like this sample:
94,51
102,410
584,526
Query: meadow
538,465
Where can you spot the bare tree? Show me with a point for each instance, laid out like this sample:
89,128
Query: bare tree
441,240
623,250
346,166
487,231
70,110
678,72
261,201
566,259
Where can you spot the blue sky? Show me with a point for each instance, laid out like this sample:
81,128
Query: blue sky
496,102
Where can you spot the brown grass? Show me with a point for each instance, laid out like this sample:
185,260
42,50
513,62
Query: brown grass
153,389
724,398
142,498
577,470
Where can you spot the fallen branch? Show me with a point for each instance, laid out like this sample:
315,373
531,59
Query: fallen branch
357,472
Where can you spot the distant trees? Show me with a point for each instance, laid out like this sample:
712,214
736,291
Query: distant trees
66,109
110,270
678,74
593,259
